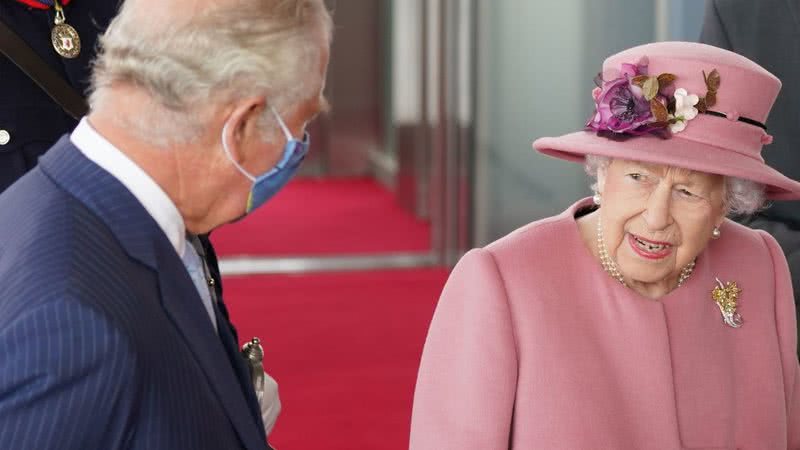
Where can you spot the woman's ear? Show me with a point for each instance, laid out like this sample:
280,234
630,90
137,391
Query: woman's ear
602,171
724,208
720,219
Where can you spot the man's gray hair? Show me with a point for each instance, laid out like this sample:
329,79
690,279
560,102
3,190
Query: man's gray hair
189,63
742,197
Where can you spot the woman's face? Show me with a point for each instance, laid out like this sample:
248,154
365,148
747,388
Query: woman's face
656,219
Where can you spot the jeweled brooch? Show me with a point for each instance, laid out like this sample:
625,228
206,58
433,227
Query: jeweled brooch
727,298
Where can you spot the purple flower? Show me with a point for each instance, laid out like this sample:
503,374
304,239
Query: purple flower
620,105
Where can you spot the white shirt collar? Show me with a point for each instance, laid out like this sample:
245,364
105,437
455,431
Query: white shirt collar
139,183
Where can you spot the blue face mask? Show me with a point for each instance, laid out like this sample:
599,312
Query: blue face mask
268,184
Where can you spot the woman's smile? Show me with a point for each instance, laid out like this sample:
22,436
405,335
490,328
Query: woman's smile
649,249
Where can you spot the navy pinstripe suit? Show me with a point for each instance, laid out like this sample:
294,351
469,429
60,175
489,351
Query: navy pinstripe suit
104,341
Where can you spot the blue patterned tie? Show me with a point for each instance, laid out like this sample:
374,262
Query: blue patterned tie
194,265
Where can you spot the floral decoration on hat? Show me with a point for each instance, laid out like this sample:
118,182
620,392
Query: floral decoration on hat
636,103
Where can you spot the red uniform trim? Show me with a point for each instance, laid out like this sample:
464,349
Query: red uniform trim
40,5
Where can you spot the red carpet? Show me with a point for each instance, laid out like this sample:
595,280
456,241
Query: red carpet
324,217
344,348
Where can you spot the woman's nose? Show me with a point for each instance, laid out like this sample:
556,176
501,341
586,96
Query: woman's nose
657,214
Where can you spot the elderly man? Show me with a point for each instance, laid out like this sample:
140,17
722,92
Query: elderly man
108,332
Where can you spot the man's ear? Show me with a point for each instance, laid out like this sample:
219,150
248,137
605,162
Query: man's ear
242,124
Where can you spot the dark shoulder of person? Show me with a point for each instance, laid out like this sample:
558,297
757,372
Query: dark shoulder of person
30,122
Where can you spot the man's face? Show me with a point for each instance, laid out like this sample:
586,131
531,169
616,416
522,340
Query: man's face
256,155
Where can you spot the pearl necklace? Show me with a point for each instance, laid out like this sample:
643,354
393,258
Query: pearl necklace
611,267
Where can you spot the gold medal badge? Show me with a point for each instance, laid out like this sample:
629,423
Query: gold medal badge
66,40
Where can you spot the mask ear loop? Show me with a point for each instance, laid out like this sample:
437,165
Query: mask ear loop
287,156
230,157
286,133
284,128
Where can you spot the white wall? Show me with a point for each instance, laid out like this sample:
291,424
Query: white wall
406,44
538,60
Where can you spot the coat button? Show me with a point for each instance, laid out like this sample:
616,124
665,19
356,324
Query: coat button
5,137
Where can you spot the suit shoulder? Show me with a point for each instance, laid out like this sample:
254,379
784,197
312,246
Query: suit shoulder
47,227
55,247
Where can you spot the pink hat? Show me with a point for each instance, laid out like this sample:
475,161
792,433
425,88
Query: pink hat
685,105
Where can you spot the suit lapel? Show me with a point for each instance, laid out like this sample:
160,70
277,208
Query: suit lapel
228,337
106,197
242,372
183,305
145,242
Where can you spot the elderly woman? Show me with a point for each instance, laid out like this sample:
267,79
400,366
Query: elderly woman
641,318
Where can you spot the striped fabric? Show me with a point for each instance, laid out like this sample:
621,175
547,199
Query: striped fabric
104,341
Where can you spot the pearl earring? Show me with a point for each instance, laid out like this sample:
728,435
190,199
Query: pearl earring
716,233
597,199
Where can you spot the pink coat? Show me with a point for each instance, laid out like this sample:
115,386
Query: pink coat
534,346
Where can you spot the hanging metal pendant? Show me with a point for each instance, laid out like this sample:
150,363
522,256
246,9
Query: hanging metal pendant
65,39
727,298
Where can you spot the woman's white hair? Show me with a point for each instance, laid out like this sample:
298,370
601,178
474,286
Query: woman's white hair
742,197
190,63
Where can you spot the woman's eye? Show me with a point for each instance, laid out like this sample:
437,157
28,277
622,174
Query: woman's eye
686,193
636,176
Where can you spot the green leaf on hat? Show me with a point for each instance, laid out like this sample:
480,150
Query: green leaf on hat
650,88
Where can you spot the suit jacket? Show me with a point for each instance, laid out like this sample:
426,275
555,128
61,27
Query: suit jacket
105,342
534,346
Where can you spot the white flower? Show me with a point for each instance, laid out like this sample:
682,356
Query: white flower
684,110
